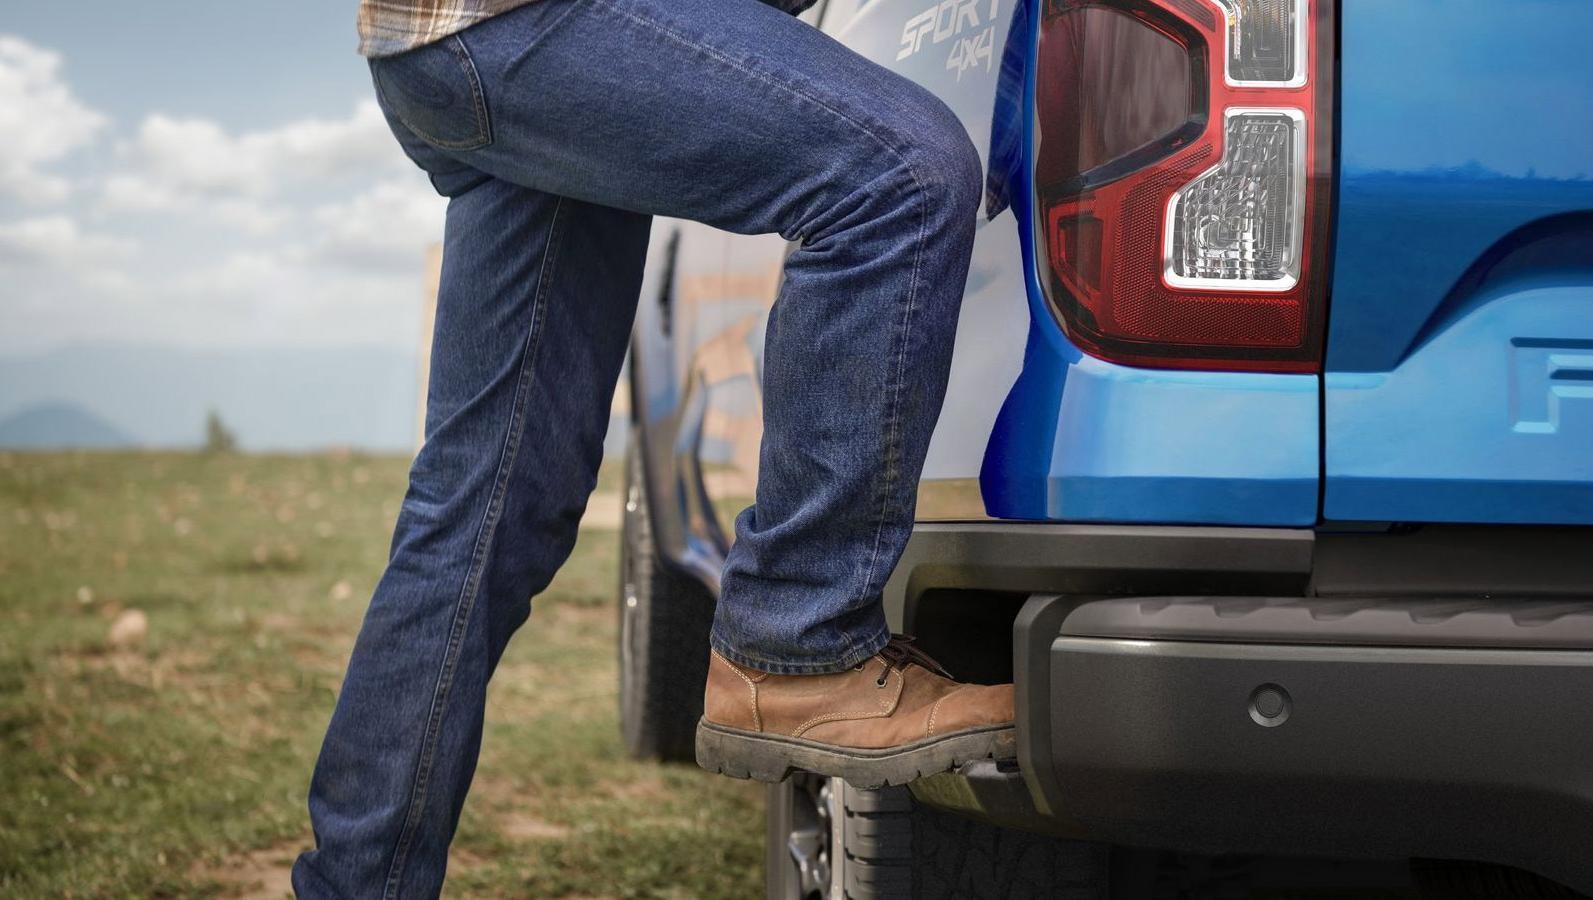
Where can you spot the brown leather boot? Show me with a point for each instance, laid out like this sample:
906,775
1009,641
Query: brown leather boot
896,717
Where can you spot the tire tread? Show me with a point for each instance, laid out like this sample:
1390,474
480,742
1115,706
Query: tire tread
676,613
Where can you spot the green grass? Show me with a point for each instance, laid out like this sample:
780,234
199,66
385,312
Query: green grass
177,766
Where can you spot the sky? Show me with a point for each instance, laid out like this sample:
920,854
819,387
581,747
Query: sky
203,175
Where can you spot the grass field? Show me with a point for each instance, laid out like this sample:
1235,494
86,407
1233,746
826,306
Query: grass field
172,760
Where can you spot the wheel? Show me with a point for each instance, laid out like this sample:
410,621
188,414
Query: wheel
664,617
798,835
829,841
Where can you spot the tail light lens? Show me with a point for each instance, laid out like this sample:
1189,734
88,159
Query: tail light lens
1182,179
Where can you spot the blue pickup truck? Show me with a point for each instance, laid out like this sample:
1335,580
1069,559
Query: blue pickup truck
1266,468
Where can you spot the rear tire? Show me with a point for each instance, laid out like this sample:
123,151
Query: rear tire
664,618
877,843
957,857
884,844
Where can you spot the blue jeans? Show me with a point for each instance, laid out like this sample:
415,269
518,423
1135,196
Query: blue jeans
556,131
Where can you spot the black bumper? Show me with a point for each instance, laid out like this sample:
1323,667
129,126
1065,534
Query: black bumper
1202,739
1379,727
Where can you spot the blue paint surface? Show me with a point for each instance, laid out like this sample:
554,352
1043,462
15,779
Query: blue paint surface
1490,421
1462,309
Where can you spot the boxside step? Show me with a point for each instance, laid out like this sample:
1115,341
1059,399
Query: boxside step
1531,624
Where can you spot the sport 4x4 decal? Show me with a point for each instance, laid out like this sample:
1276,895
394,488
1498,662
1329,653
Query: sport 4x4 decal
973,36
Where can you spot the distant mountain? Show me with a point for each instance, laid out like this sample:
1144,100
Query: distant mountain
60,425
291,398
286,398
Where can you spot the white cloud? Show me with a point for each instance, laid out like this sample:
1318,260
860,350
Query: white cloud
59,241
280,296
197,157
249,216
389,225
288,296
313,231
193,167
138,194
41,121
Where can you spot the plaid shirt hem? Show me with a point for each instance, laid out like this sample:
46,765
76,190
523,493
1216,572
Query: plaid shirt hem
390,27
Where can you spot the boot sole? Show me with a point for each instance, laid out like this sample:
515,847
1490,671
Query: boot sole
773,758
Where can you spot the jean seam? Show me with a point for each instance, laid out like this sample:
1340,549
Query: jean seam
483,136
469,592
477,92
892,434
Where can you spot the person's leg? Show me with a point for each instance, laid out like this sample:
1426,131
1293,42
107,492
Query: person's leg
536,301
732,113
724,111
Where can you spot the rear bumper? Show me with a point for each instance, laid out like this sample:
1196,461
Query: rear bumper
1370,727
1218,744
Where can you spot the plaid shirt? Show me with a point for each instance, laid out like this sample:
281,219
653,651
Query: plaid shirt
393,26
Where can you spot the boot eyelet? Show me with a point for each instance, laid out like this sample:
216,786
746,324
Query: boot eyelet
879,682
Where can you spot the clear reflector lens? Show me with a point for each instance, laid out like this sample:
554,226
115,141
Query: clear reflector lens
1241,223
1266,41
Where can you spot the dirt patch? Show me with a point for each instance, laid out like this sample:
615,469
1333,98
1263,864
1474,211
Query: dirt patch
256,875
645,788
461,860
580,615
281,622
525,827
183,669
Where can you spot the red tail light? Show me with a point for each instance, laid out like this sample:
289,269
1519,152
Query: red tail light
1181,174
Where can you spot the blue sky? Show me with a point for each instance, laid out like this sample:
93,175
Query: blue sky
243,65
201,174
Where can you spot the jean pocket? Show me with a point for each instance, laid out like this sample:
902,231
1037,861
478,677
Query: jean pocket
435,91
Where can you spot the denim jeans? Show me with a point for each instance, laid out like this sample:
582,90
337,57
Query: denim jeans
556,131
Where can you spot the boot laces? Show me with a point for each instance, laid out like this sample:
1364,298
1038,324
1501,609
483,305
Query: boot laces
901,653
